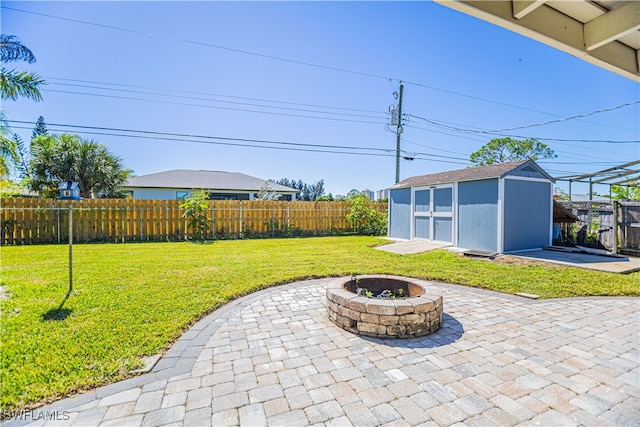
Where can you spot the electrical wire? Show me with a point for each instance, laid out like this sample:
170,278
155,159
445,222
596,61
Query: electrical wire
273,57
51,81
229,141
198,43
443,126
214,107
215,100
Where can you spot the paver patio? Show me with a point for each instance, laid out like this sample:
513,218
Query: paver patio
273,358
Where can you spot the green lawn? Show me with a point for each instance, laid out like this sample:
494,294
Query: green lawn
131,300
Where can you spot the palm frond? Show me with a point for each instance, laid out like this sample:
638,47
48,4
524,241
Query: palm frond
11,49
14,84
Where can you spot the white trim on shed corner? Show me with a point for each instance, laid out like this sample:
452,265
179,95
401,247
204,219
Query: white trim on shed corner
551,213
500,237
454,210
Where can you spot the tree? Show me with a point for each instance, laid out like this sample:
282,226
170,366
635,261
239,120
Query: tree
40,128
501,150
325,198
8,147
13,83
67,157
364,217
308,192
267,193
195,212
630,192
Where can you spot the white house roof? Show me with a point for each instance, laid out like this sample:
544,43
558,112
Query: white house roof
605,33
203,179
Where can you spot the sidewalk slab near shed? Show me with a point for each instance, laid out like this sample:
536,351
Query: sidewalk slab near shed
622,264
406,247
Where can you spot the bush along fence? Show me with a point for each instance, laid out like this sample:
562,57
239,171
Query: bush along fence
30,221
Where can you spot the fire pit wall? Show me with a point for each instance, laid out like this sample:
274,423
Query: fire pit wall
417,315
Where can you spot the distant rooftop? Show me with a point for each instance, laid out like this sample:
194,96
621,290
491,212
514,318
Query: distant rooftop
203,179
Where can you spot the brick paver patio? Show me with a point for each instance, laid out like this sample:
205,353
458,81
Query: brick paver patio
273,358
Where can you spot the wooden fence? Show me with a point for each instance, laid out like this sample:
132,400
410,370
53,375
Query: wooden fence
628,219
611,226
28,221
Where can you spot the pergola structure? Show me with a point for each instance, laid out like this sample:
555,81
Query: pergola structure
627,175
605,33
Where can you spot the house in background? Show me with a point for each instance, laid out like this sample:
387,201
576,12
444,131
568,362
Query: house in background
500,208
180,183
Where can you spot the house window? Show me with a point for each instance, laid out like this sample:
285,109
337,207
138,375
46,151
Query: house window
222,196
181,195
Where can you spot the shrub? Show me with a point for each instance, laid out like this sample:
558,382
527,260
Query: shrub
364,218
195,211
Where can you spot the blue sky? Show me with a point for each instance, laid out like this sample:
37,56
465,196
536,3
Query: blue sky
317,76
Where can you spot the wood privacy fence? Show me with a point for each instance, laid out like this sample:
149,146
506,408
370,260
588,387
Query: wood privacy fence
614,226
28,221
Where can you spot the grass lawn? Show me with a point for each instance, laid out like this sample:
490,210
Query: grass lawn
131,300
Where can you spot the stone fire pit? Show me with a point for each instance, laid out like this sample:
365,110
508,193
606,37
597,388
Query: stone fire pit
407,308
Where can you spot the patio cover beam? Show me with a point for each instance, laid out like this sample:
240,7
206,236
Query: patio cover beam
626,181
592,175
617,175
541,22
612,25
523,8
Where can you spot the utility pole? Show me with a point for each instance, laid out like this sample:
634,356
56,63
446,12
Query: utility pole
398,132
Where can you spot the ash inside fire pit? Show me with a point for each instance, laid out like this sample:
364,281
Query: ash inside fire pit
376,287
385,306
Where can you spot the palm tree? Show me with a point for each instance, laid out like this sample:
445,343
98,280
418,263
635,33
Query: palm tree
13,83
8,147
68,157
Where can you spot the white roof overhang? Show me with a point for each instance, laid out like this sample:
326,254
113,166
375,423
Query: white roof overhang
605,33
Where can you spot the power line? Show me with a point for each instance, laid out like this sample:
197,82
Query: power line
443,126
185,135
273,57
210,95
198,43
564,119
227,141
213,106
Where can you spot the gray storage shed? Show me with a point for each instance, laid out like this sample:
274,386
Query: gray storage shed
506,207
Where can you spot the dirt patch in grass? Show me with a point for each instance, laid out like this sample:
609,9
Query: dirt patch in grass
522,262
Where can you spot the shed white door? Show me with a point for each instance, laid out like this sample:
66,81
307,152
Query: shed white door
433,213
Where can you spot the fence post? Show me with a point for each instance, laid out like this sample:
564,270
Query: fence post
58,228
213,223
615,226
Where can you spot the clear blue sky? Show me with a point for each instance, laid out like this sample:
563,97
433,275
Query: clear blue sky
242,70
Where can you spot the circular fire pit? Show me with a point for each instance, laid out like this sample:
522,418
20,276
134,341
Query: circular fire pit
385,306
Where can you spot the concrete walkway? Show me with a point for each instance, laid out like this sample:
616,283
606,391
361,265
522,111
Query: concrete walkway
620,264
273,358
415,246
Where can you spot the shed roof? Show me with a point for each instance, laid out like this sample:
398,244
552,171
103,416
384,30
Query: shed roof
562,214
497,170
209,180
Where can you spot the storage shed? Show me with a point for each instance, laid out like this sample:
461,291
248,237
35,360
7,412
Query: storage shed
506,207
